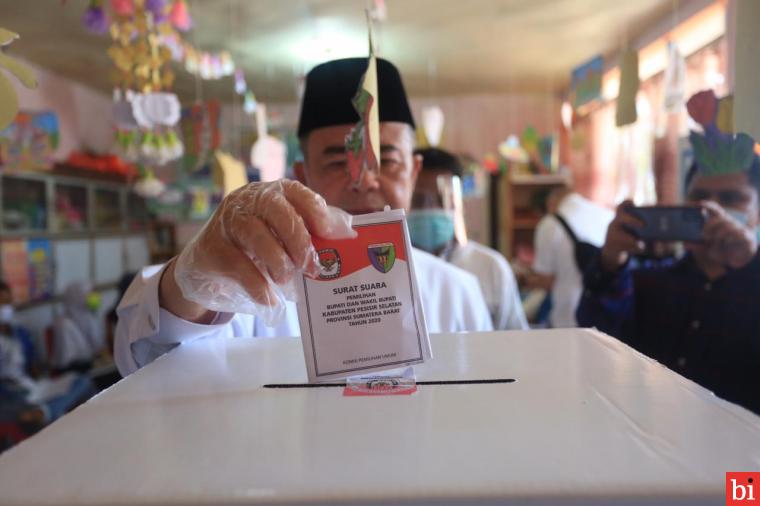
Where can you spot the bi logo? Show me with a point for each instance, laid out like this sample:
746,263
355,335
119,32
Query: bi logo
382,256
740,488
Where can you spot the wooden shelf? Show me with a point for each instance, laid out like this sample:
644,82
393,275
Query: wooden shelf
525,223
521,214
538,179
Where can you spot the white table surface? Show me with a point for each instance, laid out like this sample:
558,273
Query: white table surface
588,421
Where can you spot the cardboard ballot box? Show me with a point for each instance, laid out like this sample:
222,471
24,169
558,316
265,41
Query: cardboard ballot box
586,421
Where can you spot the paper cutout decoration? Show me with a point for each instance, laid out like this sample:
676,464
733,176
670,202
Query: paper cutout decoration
675,80
149,186
747,70
228,173
586,84
363,142
268,154
94,18
249,102
156,109
8,99
123,7
512,151
725,118
625,113
199,126
180,17
432,123
717,152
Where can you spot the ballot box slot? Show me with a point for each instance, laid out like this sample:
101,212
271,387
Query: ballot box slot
442,382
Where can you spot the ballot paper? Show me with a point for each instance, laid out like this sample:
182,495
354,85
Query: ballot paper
362,313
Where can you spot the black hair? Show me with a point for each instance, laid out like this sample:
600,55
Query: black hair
753,173
438,159
4,287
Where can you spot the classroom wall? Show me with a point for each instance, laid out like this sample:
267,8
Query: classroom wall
84,114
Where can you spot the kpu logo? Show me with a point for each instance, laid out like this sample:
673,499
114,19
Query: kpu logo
329,263
740,488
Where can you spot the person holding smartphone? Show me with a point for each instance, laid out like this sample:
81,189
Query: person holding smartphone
697,315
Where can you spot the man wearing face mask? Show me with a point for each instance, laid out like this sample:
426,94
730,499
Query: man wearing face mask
436,225
699,315
233,278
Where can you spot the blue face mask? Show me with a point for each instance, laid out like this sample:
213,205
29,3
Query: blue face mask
743,219
430,229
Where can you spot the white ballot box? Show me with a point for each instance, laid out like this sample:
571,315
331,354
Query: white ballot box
586,421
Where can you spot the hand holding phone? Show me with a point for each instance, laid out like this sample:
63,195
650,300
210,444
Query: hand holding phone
668,223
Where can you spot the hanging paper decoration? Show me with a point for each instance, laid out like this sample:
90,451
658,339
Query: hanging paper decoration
94,18
149,186
249,103
717,152
158,9
675,80
200,131
156,109
746,70
586,83
180,17
228,172
8,99
145,39
240,85
363,142
379,11
123,7
625,113
145,112
432,123
268,154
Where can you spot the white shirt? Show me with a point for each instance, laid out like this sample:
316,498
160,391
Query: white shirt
451,301
497,281
555,252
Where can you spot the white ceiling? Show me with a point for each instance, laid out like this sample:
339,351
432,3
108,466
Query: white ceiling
441,46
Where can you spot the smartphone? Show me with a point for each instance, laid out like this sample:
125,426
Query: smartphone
669,223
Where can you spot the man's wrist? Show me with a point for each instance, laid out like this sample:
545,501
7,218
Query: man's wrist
171,299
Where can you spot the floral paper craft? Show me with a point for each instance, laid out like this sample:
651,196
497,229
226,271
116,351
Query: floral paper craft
717,152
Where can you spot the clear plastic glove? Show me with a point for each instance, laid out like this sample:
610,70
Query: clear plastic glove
247,257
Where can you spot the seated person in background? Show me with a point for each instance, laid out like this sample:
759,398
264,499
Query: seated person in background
698,316
555,267
436,225
78,333
259,239
34,402
10,329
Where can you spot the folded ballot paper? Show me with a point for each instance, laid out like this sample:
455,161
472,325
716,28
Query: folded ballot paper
363,312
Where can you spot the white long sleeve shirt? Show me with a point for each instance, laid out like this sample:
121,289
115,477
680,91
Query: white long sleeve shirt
497,281
451,299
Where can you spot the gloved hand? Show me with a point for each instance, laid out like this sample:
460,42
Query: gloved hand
247,256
